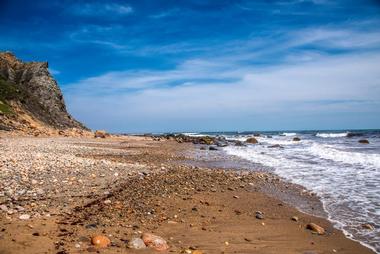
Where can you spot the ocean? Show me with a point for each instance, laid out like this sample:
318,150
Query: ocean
344,173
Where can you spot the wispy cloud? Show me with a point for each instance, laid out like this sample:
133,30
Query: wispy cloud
100,9
337,84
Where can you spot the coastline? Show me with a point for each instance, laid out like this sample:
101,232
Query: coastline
150,174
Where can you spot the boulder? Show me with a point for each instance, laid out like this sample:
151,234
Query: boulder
315,228
100,241
296,139
100,134
155,242
363,141
251,141
213,148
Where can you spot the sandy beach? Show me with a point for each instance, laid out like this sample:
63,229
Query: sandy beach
57,193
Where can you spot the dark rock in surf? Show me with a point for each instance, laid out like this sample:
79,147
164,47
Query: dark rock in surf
363,141
276,146
296,139
251,141
239,143
213,148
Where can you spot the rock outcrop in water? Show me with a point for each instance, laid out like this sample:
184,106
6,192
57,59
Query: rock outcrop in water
30,98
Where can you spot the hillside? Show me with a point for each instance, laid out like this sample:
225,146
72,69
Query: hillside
30,98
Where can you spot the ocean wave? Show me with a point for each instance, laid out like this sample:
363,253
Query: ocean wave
353,158
288,134
193,134
332,135
346,181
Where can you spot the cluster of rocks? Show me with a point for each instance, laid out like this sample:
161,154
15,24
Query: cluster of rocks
36,182
212,143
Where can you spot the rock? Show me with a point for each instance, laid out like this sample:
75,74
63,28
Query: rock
37,94
276,146
197,252
256,135
100,134
202,148
294,218
213,148
259,215
251,141
155,242
4,208
239,143
368,226
24,217
221,143
363,141
296,139
136,243
315,228
100,241
107,202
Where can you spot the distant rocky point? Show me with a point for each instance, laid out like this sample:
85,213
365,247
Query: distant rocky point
31,100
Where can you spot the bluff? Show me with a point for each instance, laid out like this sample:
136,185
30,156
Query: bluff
30,98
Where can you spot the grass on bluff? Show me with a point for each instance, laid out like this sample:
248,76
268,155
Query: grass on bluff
7,92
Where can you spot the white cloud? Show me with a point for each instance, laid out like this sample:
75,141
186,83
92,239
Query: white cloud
339,84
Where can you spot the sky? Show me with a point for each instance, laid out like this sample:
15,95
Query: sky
198,65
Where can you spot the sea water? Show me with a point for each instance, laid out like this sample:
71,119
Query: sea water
344,173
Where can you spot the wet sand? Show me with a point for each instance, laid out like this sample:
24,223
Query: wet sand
152,187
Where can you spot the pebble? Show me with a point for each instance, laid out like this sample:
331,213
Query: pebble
368,226
315,228
4,208
155,242
295,218
136,243
259,215
100,241
107,202
24,217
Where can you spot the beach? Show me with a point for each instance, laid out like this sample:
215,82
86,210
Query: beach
58,193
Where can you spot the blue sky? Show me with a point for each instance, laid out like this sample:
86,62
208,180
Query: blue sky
152,66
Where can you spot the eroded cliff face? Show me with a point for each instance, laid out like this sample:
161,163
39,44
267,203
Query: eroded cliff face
29,95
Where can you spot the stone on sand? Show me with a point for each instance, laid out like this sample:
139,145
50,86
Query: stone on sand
315,228
136,243
155,242
100,241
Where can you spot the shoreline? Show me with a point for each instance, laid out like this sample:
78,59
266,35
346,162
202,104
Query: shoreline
156,168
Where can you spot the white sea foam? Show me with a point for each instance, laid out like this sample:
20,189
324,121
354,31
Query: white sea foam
345,177
193,134
288,134
354,158
331,135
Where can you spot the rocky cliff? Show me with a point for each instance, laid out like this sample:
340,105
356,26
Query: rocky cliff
30,97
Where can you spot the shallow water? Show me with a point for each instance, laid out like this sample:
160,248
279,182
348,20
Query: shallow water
342,172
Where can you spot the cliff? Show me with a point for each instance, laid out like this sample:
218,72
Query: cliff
30,98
